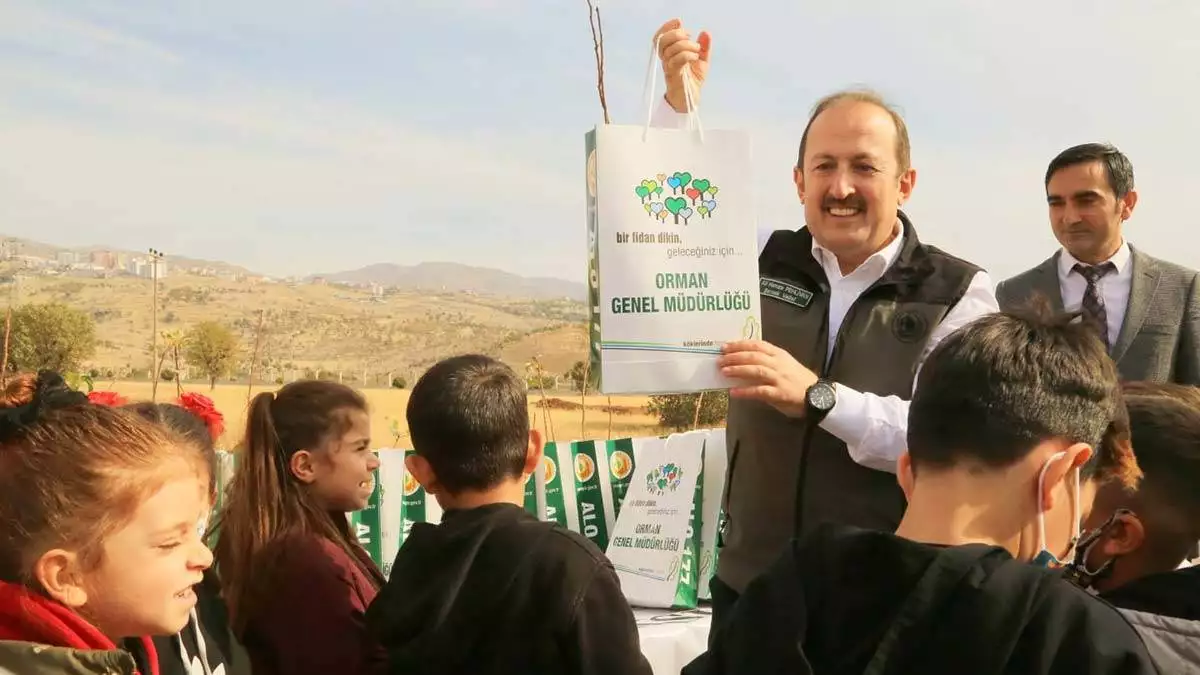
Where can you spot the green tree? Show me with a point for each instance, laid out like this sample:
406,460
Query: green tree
50,336
579,371
535,381
677,412
212,348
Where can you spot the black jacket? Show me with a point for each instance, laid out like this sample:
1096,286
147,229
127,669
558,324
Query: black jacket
1165,610
493,590
843,594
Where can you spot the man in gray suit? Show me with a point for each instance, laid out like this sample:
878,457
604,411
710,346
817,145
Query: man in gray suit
1147,310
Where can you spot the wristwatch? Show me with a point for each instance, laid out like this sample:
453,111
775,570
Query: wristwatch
820,399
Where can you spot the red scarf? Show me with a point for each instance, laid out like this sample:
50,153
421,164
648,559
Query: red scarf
29,617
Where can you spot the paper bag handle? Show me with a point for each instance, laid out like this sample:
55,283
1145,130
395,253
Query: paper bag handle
693,112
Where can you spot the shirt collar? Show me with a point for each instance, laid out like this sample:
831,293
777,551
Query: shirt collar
878,262
1120,260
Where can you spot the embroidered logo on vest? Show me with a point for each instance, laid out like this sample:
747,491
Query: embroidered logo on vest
785,292
909,326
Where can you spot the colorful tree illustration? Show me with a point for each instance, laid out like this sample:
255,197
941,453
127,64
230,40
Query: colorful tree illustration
690,196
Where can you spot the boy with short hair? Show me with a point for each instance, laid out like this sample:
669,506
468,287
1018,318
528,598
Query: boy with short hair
491,589
1000,470
1138,538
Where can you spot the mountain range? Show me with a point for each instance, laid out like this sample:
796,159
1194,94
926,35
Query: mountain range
432,276
455,277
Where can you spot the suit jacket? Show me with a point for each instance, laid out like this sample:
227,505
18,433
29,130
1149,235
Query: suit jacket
1160,334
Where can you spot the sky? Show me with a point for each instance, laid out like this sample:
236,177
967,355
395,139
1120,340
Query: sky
319,135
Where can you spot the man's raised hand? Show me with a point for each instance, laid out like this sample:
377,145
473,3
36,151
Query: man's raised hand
679,52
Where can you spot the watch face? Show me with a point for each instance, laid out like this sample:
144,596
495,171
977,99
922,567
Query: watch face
821,396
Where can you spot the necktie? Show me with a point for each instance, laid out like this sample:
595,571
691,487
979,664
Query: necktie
1093,305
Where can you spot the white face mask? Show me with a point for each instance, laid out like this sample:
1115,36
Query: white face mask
1044,557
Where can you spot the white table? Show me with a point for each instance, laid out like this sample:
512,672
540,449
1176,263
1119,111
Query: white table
671,639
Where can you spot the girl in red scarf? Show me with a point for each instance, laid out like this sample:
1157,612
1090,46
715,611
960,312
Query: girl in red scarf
99,537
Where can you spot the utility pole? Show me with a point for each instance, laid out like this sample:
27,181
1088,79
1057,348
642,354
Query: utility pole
155,256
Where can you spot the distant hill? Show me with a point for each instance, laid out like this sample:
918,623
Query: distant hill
443,277
20,246
336,325
453,277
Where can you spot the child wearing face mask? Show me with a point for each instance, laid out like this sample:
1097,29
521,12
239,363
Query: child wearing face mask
296,580
1000,469
1138,538
98,532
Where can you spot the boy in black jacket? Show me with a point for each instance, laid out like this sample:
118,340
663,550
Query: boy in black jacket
1138,539
492,589
1001,468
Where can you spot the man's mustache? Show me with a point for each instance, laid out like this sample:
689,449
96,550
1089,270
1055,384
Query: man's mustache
854,202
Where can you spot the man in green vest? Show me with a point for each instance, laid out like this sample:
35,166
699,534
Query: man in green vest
852,304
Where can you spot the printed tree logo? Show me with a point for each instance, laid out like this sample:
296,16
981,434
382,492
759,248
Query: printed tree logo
663,479
688,197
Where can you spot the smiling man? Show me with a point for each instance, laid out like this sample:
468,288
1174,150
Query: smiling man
852,304
1147,310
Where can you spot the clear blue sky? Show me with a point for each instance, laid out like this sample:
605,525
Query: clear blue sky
315,135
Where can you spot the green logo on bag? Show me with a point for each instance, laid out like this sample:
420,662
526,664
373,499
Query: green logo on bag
689,197
664,479
620,464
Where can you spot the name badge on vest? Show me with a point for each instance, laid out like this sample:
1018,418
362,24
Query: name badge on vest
785,292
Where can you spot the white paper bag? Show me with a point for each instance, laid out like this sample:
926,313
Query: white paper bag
672,256
653,545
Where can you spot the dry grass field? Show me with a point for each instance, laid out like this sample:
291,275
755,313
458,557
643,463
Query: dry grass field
560,420
313,327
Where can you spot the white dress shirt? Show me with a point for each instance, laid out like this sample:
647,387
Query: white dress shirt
1113,287
874,428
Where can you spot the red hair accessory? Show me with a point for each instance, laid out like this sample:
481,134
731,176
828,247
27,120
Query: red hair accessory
109,398
202,406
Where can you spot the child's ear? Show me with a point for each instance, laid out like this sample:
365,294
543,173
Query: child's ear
533,453
302,467
420,469
904,474
1124,536
56,572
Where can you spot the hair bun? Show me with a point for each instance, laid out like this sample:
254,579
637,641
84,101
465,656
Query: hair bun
50,392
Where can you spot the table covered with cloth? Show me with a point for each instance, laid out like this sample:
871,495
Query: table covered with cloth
672,638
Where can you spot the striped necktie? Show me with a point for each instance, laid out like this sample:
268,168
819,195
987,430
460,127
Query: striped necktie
1093,304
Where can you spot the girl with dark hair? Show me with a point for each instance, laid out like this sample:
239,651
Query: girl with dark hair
99,536
297,582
